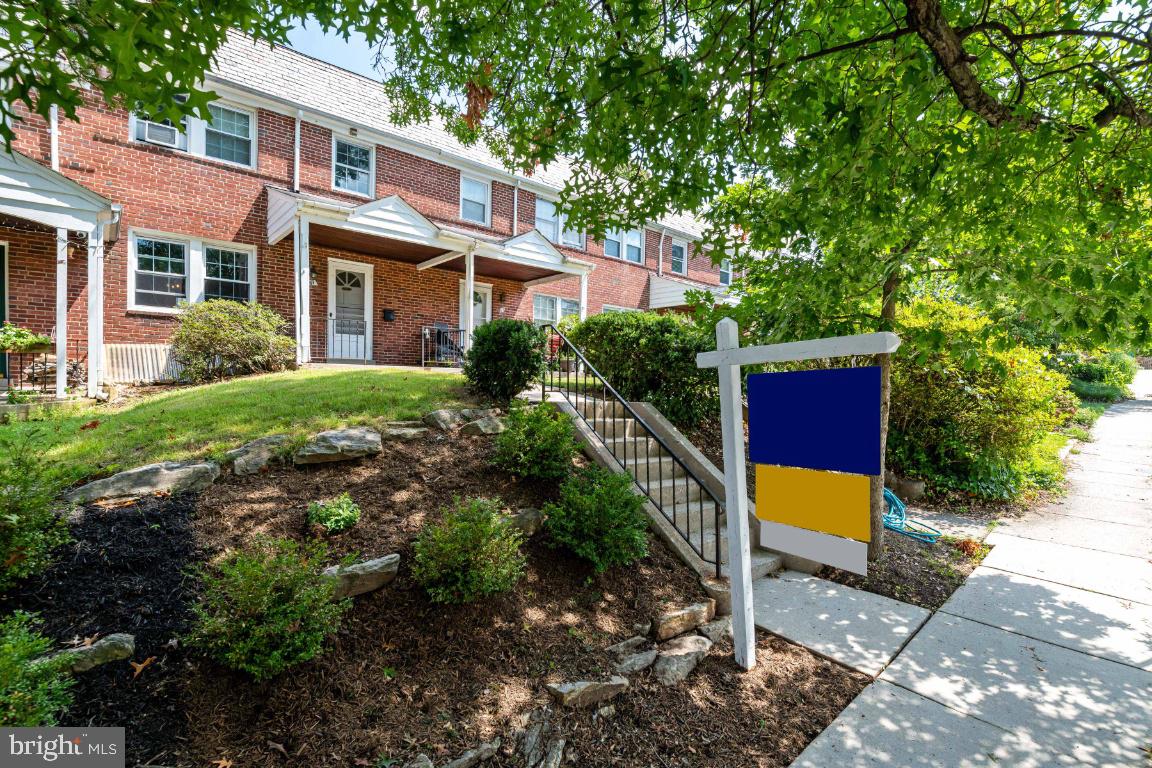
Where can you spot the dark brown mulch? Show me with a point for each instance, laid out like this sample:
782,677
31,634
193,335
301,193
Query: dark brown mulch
403,676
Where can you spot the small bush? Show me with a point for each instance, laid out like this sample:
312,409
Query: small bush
221,338
537,444
334,515
652,357
267,609
33,687
1098,391
470,554
506,356
30,528
600,519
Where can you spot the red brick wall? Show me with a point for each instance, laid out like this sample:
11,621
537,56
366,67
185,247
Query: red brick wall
178,193
31,255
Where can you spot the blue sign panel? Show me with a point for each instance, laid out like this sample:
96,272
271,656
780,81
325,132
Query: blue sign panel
826,419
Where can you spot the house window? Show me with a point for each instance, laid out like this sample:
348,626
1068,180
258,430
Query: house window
547,220
548,310
352,167
163,132
680,257
634,246
612,244
229,135
610,308
474,200
227,274
725,271
161,273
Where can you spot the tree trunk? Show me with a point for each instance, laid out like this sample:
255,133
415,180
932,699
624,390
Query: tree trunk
878,507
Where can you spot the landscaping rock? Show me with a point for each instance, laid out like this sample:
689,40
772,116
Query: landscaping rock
444,419
358,578
340,445
404,433
475,756
165,477
719,590
532,745
642,628
637,662
606,712
555,754
908,489
587,693
681,620
251,458
679,657
421,761
627,647
107,649
529,520
472,414
717,629
489,425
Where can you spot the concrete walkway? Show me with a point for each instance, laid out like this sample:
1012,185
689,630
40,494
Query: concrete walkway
1044,656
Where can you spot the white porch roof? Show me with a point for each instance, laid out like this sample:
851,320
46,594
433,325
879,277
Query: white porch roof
666,293
29,190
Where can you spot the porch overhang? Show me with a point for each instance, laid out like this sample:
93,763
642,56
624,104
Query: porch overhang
667,293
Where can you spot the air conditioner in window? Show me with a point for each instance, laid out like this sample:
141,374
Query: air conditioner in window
160,133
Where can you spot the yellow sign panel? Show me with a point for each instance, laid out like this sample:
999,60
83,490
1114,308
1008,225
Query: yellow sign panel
830,502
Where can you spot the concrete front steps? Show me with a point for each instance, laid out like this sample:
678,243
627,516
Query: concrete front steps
683,510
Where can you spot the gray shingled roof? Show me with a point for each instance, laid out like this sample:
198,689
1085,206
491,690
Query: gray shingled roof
296,78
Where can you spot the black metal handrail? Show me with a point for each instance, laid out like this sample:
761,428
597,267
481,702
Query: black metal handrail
560,373
35,372
441,345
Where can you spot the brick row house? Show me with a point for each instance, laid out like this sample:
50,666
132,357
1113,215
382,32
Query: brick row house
376,242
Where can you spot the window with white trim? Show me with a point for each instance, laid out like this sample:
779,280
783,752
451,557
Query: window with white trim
610,308
634,246
161,273
680,257
613,243
352,167
166,270
554,226
475,200
228,135
552,309
725,271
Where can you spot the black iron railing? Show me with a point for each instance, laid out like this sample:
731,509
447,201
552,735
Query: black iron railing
339,340
442,346
680,495
35,372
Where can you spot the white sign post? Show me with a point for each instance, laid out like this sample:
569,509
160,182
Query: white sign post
728,358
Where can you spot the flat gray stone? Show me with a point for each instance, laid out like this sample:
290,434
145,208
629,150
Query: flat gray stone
528,520
1091,710
116,647
340,445
488,425
1085,533
720,590
717,629
1129,578
443,419
403,434
359,578
472,414
678,657
555,754
681,620
474,757
587,693
856,628
627,647
251,458
637,662
1099,625
165,477
889,727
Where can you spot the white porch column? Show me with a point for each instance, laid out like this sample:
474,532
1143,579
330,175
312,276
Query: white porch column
469,292
584,296
95,309
303,262
61,313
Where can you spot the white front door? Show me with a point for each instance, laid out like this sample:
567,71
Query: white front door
349,311
481,304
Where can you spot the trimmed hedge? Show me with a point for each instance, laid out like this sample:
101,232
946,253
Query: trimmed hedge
220,338
652,357
506,356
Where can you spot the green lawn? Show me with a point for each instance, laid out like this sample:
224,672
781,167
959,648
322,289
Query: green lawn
96,440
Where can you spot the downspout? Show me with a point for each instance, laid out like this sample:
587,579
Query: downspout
54,136
516,209
296,153
660,253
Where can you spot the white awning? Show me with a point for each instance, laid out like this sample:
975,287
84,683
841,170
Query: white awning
35,192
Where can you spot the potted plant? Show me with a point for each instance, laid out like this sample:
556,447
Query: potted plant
15,339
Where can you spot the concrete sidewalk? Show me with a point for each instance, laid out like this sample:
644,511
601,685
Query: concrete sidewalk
1044,655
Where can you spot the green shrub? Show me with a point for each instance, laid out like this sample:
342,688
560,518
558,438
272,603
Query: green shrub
334,515
967,413
269,608
599,518
537,444
13,338
506,356
652,357
470,554
30,527
33,686
1098,391
221,338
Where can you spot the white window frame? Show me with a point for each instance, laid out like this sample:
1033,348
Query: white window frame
618,308
195,265
616,236
640,235
194,136
672,261
370,194
487,184
556,308
554,237
726,269
561,228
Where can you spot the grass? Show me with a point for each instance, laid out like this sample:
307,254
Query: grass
1044,468
206,421
1099,392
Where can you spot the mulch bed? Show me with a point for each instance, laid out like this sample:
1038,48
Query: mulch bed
403,676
